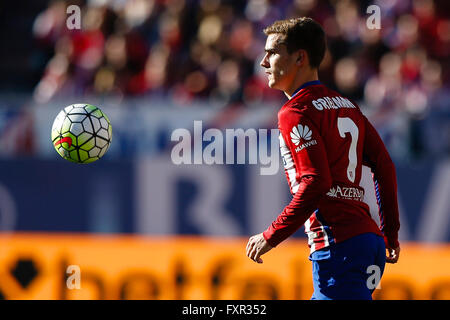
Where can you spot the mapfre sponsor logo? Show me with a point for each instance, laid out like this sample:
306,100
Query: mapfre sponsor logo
299,133
348,193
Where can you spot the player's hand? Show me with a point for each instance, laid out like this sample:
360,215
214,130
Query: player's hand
394,254
256,247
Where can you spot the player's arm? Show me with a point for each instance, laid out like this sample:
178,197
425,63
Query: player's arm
312,171
313,175
377,158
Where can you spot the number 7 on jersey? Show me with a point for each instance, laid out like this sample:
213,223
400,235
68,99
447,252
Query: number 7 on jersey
347,125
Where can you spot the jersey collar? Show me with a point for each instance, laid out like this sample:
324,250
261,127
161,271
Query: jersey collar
306,84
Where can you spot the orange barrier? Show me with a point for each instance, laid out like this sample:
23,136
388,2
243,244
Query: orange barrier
35,266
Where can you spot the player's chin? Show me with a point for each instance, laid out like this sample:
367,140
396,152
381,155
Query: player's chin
272,84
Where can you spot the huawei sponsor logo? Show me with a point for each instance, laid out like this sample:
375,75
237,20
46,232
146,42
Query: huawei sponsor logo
302,132
299,132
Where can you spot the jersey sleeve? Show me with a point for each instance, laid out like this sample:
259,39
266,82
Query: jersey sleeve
309,175
377,158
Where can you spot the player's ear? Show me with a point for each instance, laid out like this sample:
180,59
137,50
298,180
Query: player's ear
300,57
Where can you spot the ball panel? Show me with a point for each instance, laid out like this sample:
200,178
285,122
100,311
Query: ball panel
94,152
63,152
82,138
66,125
104,123
102,133
95,124
90,108
78,110
88,145
83,155
55,134
74,156
87,125
97,113
68,108
99,142
76,128
90,160
76,117
106,117
102,153
110,133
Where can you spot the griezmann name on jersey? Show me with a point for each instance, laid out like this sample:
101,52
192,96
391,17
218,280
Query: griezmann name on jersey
324,142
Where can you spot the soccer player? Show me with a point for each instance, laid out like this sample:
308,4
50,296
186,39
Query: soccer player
324,141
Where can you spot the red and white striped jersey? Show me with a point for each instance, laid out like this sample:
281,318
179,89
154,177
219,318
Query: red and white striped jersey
324,142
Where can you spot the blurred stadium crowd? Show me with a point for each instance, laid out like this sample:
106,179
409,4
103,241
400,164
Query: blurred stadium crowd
185,50
212,48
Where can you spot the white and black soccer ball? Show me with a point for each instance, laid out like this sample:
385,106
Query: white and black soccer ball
81,133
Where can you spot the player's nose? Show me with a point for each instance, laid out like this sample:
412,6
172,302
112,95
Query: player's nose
264,62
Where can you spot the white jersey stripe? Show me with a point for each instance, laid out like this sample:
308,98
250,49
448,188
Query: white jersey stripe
311,242
289,165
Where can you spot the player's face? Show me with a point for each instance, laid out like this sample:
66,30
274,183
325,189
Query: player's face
279,65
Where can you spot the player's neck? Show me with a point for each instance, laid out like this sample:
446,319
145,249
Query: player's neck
302,78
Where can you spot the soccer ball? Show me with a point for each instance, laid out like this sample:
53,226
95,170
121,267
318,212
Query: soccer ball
81,133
